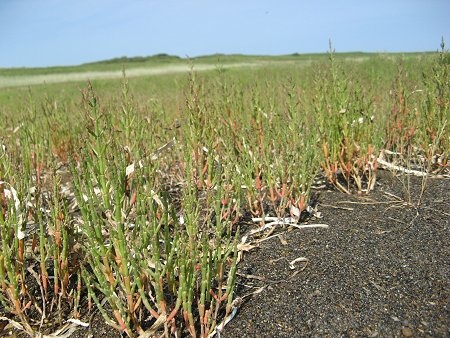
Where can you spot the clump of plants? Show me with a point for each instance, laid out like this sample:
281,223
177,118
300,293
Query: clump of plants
346,124
132,205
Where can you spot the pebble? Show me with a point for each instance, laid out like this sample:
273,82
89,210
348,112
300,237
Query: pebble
407,332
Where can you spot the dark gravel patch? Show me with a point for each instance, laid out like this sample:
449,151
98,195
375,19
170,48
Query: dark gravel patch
380,270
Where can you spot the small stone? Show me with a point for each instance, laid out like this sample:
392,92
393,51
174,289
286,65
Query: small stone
407,332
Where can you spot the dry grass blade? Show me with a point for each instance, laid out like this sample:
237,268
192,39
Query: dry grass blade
162,149
66,331
407,171
298,259
155,327
13,323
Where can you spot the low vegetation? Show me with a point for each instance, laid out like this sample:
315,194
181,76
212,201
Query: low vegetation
128,197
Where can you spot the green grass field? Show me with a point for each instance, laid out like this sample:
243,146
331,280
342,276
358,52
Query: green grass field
127,194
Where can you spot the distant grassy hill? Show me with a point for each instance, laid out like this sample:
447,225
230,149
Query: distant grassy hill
137,59
162,59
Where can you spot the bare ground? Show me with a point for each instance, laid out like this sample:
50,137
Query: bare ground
380,270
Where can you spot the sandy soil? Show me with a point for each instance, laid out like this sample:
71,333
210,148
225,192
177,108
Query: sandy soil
381,269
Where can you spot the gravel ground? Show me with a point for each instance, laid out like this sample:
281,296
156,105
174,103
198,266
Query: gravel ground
381,269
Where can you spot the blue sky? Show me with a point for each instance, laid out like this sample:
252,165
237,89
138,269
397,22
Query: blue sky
62,32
